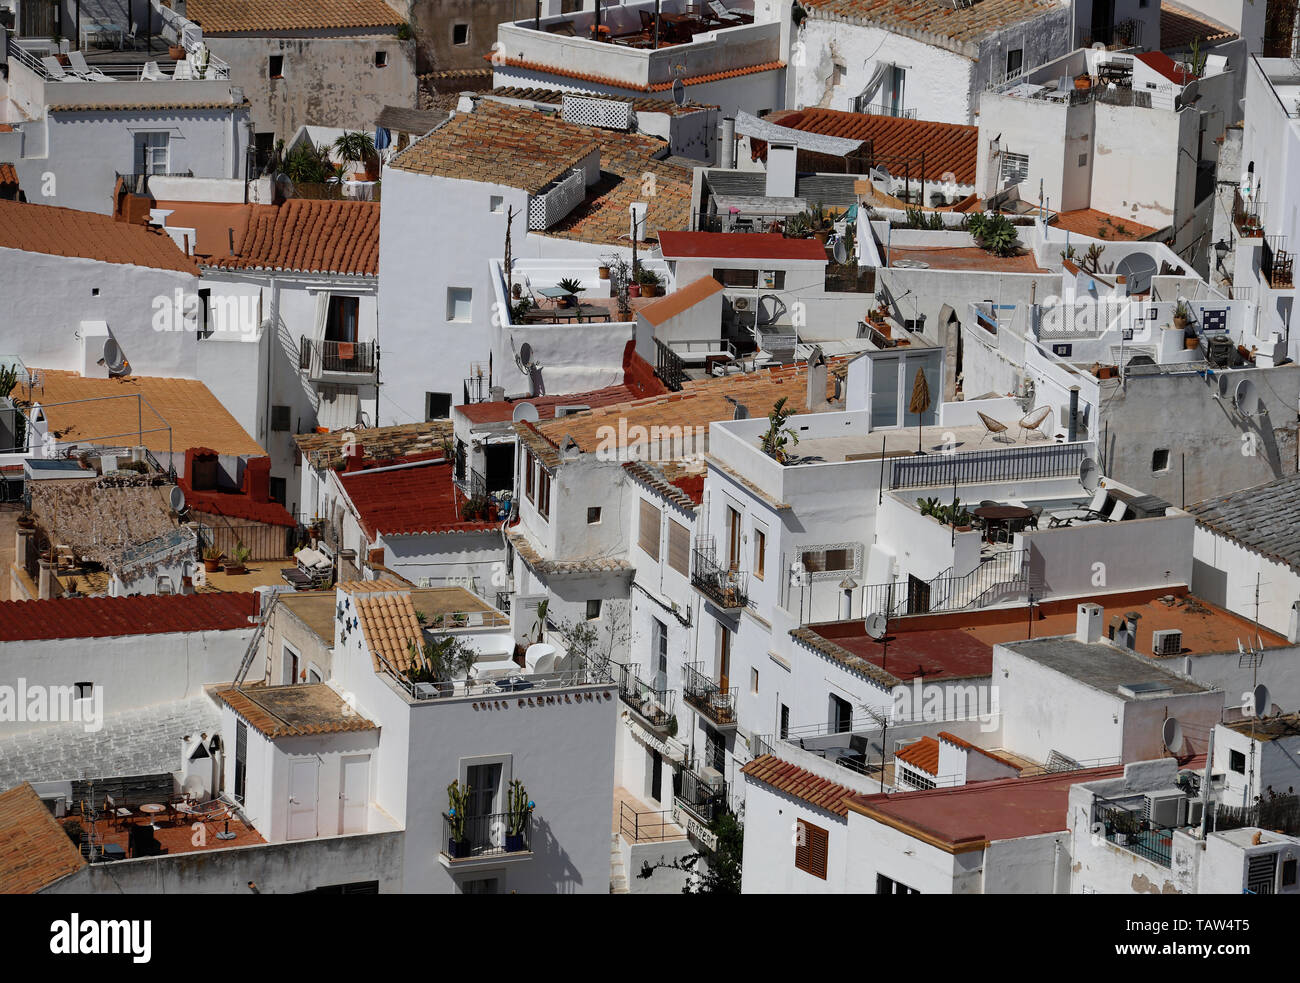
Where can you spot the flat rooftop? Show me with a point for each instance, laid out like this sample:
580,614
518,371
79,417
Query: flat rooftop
967,258
294,711
1104,667
943,653
861,445
1270,729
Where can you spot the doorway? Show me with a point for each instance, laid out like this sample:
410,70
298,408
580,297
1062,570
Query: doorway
354,793
656,776
302,798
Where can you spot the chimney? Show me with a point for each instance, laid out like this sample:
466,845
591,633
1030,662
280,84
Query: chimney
45,585
1074,414
847,586
781,171
1292,632
1130,634
816,379
728,155
497,394
355,455
1088,626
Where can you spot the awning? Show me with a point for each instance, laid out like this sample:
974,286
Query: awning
816,143
338,409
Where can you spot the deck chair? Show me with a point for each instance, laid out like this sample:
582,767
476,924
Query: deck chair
55,71
77,61
184,71
1032,423
722,13
115,813
152,73
993,428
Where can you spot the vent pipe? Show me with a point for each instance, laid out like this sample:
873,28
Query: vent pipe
728,143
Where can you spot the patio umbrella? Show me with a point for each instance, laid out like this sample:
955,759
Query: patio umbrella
919,404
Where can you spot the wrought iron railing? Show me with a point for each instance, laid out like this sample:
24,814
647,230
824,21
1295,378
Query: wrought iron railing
669,366
716,702
137,182
880,109
1128,829
1275,263
648,827
702,798
495,834
656,706
727,588
317,356
993,464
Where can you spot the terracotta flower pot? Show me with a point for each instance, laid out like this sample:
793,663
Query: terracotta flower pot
634,290
211,566
176,52
1190,343
604,272
1180,322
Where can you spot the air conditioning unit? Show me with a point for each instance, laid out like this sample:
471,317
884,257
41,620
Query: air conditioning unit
1166,642
1195,809
1167,807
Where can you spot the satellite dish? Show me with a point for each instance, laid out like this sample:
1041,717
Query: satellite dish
113,357
1089,474
1260,701
176,499
876,626
1245,398
1173,735
679,92
525,413
1137,270
841,252
524,359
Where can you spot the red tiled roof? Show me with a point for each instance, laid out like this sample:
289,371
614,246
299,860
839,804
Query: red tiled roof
109,617
34,850
410,500
216,225
1179,27
1166,66
534,66
964,26
948,147
922,755
237,505
8,174
87,235
692,485
256,17
793,780
931,654
1101,225
725,245
683,299
310,236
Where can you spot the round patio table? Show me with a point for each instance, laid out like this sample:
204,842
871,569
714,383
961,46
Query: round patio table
1002,515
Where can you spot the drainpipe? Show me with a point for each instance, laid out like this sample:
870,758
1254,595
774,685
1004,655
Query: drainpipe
1074,413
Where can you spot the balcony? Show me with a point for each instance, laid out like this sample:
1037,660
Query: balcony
716,703
727,588
1275,264
700,798
1246,216
488,837
653,707
339,361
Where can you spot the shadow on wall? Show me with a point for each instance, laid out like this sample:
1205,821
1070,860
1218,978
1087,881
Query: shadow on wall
553,859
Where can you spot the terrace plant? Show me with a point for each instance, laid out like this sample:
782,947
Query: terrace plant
440,660
519,808
457,808
358,148
778,436
994,233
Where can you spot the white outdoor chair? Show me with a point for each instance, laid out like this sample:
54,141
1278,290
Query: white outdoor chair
1032,423
184,71
55,71
77,61
152,73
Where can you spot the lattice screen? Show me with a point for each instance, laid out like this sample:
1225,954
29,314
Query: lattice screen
607,113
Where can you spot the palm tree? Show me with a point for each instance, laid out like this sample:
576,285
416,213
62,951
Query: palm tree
356,147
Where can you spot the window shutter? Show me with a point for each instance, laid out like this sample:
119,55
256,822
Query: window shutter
679,548
649,530
811,849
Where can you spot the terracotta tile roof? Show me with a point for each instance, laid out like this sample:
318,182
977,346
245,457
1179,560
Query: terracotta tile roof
726,245
930,654
324,450
294,711
700,402
113,617
686,492
387,619
411,501
795,781
922,755
8,175
933,20
539,564
237,505
966,745
1102,225
682,299
34,850
947,146
555,97
1160,62
1179,27
195,416
135,107
614,83
67,232
216,224
967,258
256,17
308,236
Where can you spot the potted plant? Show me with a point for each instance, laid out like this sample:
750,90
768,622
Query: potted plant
650,282
1181,314
457,803
242,553
212,559
26,519
356,147
634,289
520,808
176,52
603,271
574,287
778,435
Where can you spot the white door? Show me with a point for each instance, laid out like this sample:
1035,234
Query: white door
302,799
354,793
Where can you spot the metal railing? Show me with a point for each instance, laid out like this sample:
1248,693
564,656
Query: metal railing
727,588
1126,32
715,702
994,464
1275,263
490,835
744,222
137,182
669,366
880,109
648,827
655,706
523,685
1128,829
703,799
355,357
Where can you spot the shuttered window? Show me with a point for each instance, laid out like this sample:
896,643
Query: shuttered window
528,474
810,849
544,493
649,528
679,548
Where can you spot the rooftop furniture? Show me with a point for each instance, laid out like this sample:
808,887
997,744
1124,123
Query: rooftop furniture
115,813
1002,519
1032,423
993,428
152,73
55,71
77,61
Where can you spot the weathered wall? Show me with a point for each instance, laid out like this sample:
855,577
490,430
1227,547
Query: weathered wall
435,22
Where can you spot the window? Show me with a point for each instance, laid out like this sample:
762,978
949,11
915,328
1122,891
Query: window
810,848
841,715
275,67
593,516
84,691
1288,873
496,204
484,783
529,483
733,539
437,406
915,779
1237,762
828,560
760,550
753,681
289,666
784,729
381,59
152,152
660,635
459,303
648,537
279,419
748,279
313,674
341,319
278,490
460,34
1015,61
484,885
885,885
1015,168
544,493
1160,460
593,610
1083,160
679,547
